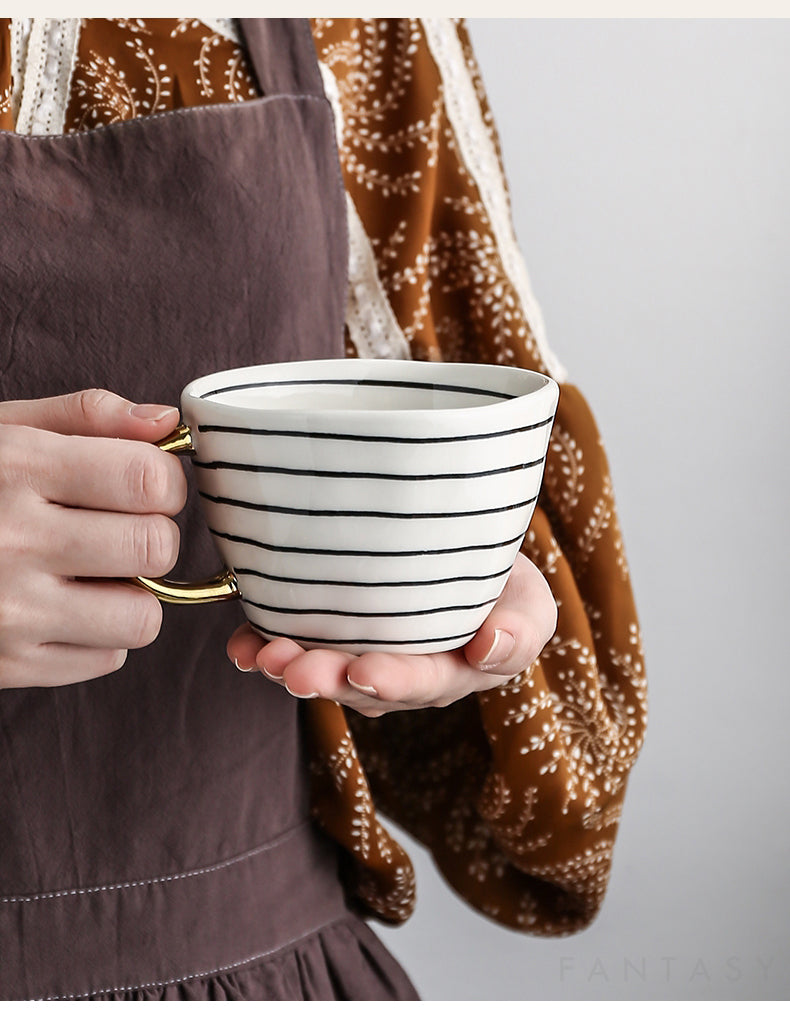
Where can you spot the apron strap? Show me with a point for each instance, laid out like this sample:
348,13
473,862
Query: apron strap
283,55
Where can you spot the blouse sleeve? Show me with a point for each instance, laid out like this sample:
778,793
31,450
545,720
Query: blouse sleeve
517,792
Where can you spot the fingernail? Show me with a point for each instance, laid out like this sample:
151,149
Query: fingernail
368,689
300,696
243,668
274,678
501,648
151,411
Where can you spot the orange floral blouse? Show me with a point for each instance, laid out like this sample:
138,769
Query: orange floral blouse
517,792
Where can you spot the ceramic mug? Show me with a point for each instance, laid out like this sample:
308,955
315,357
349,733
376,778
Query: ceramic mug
364,504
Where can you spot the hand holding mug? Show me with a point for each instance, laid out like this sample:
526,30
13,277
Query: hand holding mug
519,626
85,502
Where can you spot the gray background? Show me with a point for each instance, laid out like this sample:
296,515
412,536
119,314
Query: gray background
649,163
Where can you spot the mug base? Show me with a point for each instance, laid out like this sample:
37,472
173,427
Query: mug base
360,646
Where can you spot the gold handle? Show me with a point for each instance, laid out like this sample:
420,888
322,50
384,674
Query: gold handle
222,586
179,441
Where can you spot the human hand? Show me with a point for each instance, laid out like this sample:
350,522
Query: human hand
85,500
509,640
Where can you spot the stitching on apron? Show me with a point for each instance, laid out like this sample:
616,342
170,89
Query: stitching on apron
272,844
181,112
201,974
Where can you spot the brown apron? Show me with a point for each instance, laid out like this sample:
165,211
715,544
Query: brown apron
155,839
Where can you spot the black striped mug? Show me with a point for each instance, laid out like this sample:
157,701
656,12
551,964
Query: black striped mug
364,504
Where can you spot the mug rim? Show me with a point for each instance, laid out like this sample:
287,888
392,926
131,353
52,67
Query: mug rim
202,392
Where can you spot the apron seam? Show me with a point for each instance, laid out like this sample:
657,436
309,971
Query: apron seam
160,879
202,974
180,112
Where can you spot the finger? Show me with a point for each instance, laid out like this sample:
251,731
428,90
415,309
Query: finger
519,626
323,673
115,475
413,681
60,664
92,412
101,615
102,474
304,674
243,648
275,657
96,544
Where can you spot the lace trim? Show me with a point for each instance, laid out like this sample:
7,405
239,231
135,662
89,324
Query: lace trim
370,319
43,56
226,27
20,36
480,157
45,67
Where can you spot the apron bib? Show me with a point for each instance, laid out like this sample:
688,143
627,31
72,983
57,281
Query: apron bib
154,824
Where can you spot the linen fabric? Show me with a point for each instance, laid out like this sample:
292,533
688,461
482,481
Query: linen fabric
518,792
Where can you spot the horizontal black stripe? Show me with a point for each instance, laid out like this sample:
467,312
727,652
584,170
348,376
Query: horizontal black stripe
273,508
359,438
380,584
364,553
269,469
386,383
459,639
304,611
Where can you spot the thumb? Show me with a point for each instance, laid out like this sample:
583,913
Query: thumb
92,412
523,620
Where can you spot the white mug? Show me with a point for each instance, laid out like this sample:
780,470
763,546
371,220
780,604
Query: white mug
365,504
